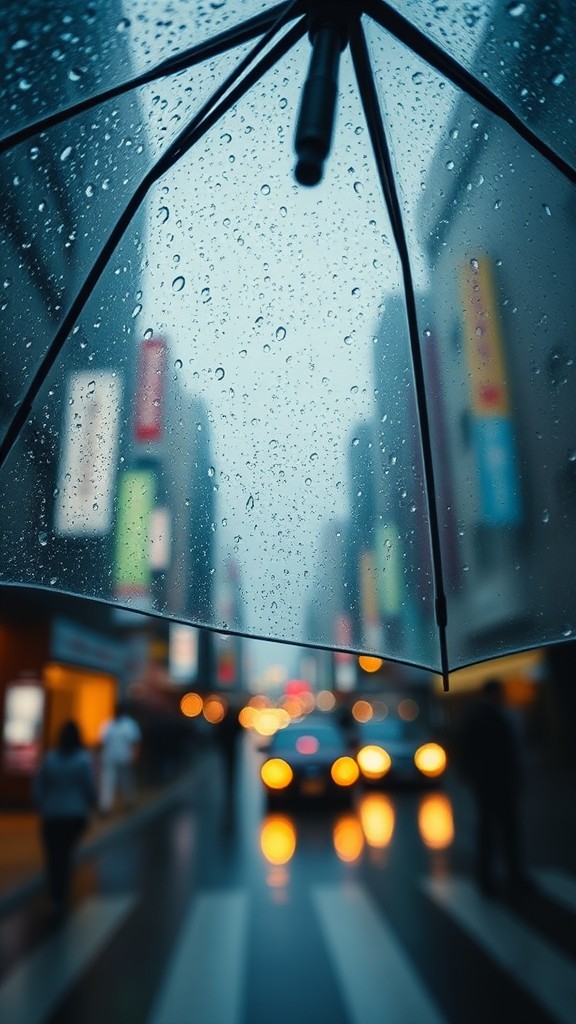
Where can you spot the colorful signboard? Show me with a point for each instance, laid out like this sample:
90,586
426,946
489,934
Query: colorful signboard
136,496
83,504
150,385
492,427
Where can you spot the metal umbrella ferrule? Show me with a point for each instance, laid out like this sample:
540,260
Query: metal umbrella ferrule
313,138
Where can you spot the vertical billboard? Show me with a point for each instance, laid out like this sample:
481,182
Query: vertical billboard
88,455
136,497
149,397
490,403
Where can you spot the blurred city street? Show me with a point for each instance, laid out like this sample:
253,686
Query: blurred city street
203,906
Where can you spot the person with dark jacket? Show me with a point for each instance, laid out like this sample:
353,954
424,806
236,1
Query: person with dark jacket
490,760
64,792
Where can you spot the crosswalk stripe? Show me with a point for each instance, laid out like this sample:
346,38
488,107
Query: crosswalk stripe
547,974
204,983
377,978
32,990
559,885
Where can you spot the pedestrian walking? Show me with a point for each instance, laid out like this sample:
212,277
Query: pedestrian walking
64,792
120,747
491,763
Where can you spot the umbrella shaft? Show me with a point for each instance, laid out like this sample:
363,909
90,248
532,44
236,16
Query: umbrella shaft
316,117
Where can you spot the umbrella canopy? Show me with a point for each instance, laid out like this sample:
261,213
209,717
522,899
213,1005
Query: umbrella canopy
322,396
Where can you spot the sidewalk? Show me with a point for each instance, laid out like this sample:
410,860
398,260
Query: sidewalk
21,869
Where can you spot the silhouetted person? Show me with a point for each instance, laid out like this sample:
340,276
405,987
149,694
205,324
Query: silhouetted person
227,736
490,759
65,794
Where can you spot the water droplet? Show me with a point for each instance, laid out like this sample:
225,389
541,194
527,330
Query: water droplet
474,264
355,442
20,44
53,580
454,133
558,79
417,78
358,188
43,539
137,309
89,191
178,364
280,333
265,190
211,471
546,516
449,165
220,373
567,631
178,283
163,214
205,295
24,84
123,24
243,353
355,292
65,153
515,10
572,455
250,503
547,209
75,74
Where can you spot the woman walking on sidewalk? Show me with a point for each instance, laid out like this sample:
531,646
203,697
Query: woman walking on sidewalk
65,794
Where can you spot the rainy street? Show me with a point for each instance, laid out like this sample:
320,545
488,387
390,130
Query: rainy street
211,909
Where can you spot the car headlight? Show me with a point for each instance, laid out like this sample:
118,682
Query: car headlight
276,773
374,761
430,759
344,771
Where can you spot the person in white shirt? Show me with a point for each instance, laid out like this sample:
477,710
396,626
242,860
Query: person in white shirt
120,744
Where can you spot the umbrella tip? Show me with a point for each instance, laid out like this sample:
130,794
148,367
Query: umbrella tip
310,165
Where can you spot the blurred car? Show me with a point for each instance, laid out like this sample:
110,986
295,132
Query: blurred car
308,760
394,751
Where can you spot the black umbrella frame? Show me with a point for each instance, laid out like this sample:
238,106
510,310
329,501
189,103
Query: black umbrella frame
331,27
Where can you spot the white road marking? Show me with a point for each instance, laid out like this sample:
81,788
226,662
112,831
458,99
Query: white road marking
379,982
559,885
30,992
546,973
205,980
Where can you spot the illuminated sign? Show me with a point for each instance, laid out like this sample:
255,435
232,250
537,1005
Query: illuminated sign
22,734
136,494
183,653
149,399
83,505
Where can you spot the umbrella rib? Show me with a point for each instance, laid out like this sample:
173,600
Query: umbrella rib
373,117
271,19
444,64
203,121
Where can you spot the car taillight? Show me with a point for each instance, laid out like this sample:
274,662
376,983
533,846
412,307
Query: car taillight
344,771
430,759
276,773
374,761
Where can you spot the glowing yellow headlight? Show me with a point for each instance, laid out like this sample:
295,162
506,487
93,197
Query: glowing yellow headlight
430,759
374,761
344,771
276,773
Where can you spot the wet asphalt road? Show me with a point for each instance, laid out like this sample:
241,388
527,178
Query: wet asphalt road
217,911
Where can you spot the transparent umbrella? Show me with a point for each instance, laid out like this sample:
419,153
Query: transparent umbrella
287,319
